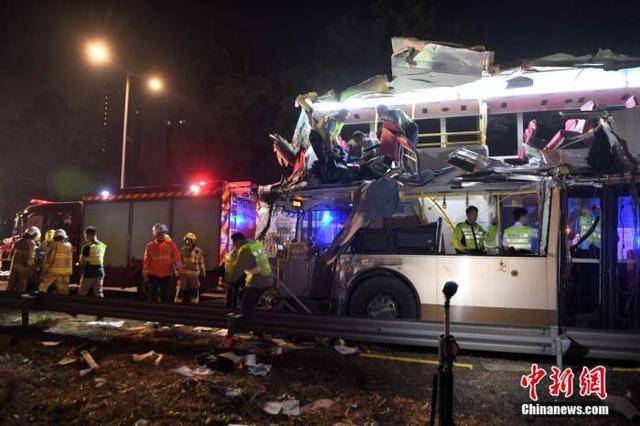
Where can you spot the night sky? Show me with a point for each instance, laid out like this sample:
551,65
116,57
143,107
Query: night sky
232,70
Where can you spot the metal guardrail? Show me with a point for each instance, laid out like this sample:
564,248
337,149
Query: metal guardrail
534,341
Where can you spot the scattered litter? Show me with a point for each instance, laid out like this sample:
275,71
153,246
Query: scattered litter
289,407
188,372
207,358
142,422
85,372
201,329
259,369
232,392
178,325
346,350
89,360
250,360
67,360
114,324
623,406
48,343
150,354
100,381
138,328
222,332
318,404
228,361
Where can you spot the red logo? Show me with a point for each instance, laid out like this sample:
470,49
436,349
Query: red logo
531,381
593,382
562,382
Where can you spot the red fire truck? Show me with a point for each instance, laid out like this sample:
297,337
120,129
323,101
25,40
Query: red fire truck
212,210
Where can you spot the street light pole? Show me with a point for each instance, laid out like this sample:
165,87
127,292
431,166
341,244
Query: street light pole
123,163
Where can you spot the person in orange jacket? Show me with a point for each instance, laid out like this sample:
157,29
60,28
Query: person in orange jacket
161,263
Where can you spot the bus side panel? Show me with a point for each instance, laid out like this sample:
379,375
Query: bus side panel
145,215
496,290
112,223
202,217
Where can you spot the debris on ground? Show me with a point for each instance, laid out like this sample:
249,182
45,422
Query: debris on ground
113,324
189,372
89,360
288,407
221,332
100,381
233,392
202,329
228,361
346,350
148,355
259,369
67,360
50,343
318,404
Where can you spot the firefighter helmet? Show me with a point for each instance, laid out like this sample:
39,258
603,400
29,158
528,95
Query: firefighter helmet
159,227
48,236
190,236
34,231
60,233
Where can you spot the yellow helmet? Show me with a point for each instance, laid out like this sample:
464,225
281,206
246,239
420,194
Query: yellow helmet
48,236
190,236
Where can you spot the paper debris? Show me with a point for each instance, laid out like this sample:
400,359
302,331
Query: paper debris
67,360
317,405
85,372
114,324
250,360
188,372
289,407
159,359
233,392
346,350
89,360
100,381
50,343
272,408
222,332
259,369
201,329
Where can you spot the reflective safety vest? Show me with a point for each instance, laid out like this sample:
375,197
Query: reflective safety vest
466,236
96,254
518,237
59,258
192,261
586,222
262,260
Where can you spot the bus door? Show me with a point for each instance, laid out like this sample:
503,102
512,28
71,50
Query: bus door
584,287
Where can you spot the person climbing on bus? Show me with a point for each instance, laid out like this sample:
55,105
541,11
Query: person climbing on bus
23,260
519,237
92,264
588,243
469,237
192,270
161,262
57,266
402,120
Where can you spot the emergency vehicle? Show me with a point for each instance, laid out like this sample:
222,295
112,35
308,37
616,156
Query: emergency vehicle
212,210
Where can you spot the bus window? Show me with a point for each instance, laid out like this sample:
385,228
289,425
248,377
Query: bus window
320,227
584,214
502,134
522,236
627,306
59,220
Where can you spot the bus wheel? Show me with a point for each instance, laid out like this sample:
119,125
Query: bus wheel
384,298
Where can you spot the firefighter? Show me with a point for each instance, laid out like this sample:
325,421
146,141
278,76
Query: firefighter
57,265
92,264
519,237
469,237
251,259
161,262
331,125
192,270
23,260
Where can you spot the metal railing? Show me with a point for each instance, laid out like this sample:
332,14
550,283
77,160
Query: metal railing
444,139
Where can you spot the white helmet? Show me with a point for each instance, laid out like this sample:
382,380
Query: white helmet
60,233
159,227
34,231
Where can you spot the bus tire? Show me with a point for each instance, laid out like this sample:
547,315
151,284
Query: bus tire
383,297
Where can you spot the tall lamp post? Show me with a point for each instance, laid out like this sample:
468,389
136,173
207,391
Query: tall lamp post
99,53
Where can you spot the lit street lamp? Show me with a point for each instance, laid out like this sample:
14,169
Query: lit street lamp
99,53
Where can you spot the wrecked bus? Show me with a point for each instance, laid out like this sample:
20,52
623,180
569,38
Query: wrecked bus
539,137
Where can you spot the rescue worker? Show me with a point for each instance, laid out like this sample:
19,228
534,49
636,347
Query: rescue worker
92,264
469,237
519,237
591,244
161,262
57,265
331,125
235,287
408,126
251,259
192,270
23,260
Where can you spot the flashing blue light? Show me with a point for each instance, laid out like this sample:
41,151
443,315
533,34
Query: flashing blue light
327,218
239,219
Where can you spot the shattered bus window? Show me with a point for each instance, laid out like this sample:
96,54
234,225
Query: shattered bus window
320,227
